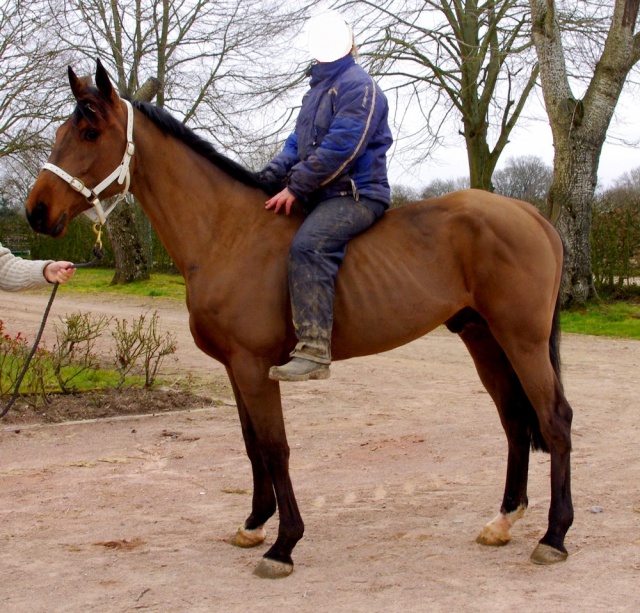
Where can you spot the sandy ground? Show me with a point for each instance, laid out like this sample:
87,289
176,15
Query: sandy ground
398,460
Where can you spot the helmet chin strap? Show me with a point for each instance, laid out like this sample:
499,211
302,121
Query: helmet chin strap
121,174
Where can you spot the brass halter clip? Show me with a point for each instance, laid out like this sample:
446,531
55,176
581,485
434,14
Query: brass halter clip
97,229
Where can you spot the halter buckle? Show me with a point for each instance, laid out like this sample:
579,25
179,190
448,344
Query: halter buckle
77,184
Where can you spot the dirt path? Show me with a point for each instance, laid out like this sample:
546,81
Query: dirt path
397,460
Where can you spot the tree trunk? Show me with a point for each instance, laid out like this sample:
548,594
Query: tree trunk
569,205
481,161
579,130
128,249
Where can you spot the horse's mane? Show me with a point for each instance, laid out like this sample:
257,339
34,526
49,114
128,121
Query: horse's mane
170,125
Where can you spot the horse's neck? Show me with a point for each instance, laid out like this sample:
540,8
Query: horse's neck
190,202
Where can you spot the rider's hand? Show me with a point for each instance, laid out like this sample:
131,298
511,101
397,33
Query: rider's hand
283,199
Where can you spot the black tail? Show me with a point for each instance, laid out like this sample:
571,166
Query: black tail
554,341
537,441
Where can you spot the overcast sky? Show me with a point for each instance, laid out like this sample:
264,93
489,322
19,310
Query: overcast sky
531,137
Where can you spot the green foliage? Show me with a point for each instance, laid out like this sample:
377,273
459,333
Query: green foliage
615,239
78,242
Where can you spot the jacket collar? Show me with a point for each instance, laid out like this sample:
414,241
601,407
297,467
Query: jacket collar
330,70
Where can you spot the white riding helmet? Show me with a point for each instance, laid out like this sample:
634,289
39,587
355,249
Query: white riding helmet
330,37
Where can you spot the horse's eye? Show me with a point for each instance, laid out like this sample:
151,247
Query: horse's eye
91,135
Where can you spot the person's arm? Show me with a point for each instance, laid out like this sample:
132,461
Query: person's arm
282,199
17,274
278,168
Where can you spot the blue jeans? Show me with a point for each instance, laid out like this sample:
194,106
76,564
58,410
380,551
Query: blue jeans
316,253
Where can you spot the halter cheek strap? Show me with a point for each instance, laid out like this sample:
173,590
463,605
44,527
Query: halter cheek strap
121,174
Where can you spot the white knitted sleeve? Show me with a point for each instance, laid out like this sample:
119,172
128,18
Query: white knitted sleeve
17,274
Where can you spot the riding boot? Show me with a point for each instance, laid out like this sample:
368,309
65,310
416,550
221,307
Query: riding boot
310,361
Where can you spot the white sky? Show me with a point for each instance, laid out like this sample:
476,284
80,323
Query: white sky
531,137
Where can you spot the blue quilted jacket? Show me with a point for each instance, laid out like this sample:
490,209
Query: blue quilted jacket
340,140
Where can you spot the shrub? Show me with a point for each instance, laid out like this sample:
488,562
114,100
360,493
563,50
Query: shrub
615,239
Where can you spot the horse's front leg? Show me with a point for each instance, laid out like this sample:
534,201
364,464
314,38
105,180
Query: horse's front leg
252,532
269,452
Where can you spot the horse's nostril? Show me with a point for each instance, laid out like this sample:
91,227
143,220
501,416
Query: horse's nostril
37,217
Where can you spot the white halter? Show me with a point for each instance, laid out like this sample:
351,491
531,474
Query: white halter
121,174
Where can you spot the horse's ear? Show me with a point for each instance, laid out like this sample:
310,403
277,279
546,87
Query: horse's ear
103,83
77,85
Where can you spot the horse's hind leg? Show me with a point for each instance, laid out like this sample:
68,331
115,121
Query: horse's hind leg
252,533
531,361
516,415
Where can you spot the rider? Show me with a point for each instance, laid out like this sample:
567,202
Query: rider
334,166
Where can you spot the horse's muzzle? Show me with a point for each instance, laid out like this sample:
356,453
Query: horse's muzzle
38,220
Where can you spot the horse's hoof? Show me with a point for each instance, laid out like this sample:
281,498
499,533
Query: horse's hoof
249,538
545,554
272,569
492,537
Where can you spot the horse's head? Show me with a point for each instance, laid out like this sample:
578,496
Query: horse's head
87,149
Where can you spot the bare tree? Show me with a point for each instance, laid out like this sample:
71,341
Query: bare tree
439,187
17,174
579,123
525,177
28,57
208,55
403,194
448,59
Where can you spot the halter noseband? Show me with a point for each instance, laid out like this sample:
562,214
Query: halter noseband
121,174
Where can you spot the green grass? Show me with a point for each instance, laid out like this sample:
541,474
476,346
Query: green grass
612,318
617,319
93,280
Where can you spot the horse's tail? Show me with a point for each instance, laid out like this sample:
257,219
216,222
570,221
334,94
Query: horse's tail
537,440
554,341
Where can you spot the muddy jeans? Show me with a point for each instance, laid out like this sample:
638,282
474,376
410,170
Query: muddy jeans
317,251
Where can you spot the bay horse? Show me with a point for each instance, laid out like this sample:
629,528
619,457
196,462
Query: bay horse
486,266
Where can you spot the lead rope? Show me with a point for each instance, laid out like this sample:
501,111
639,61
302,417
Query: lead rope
98,254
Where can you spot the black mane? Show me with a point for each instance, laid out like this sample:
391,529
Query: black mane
170,125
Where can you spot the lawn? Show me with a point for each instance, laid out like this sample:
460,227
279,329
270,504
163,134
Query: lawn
618,319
